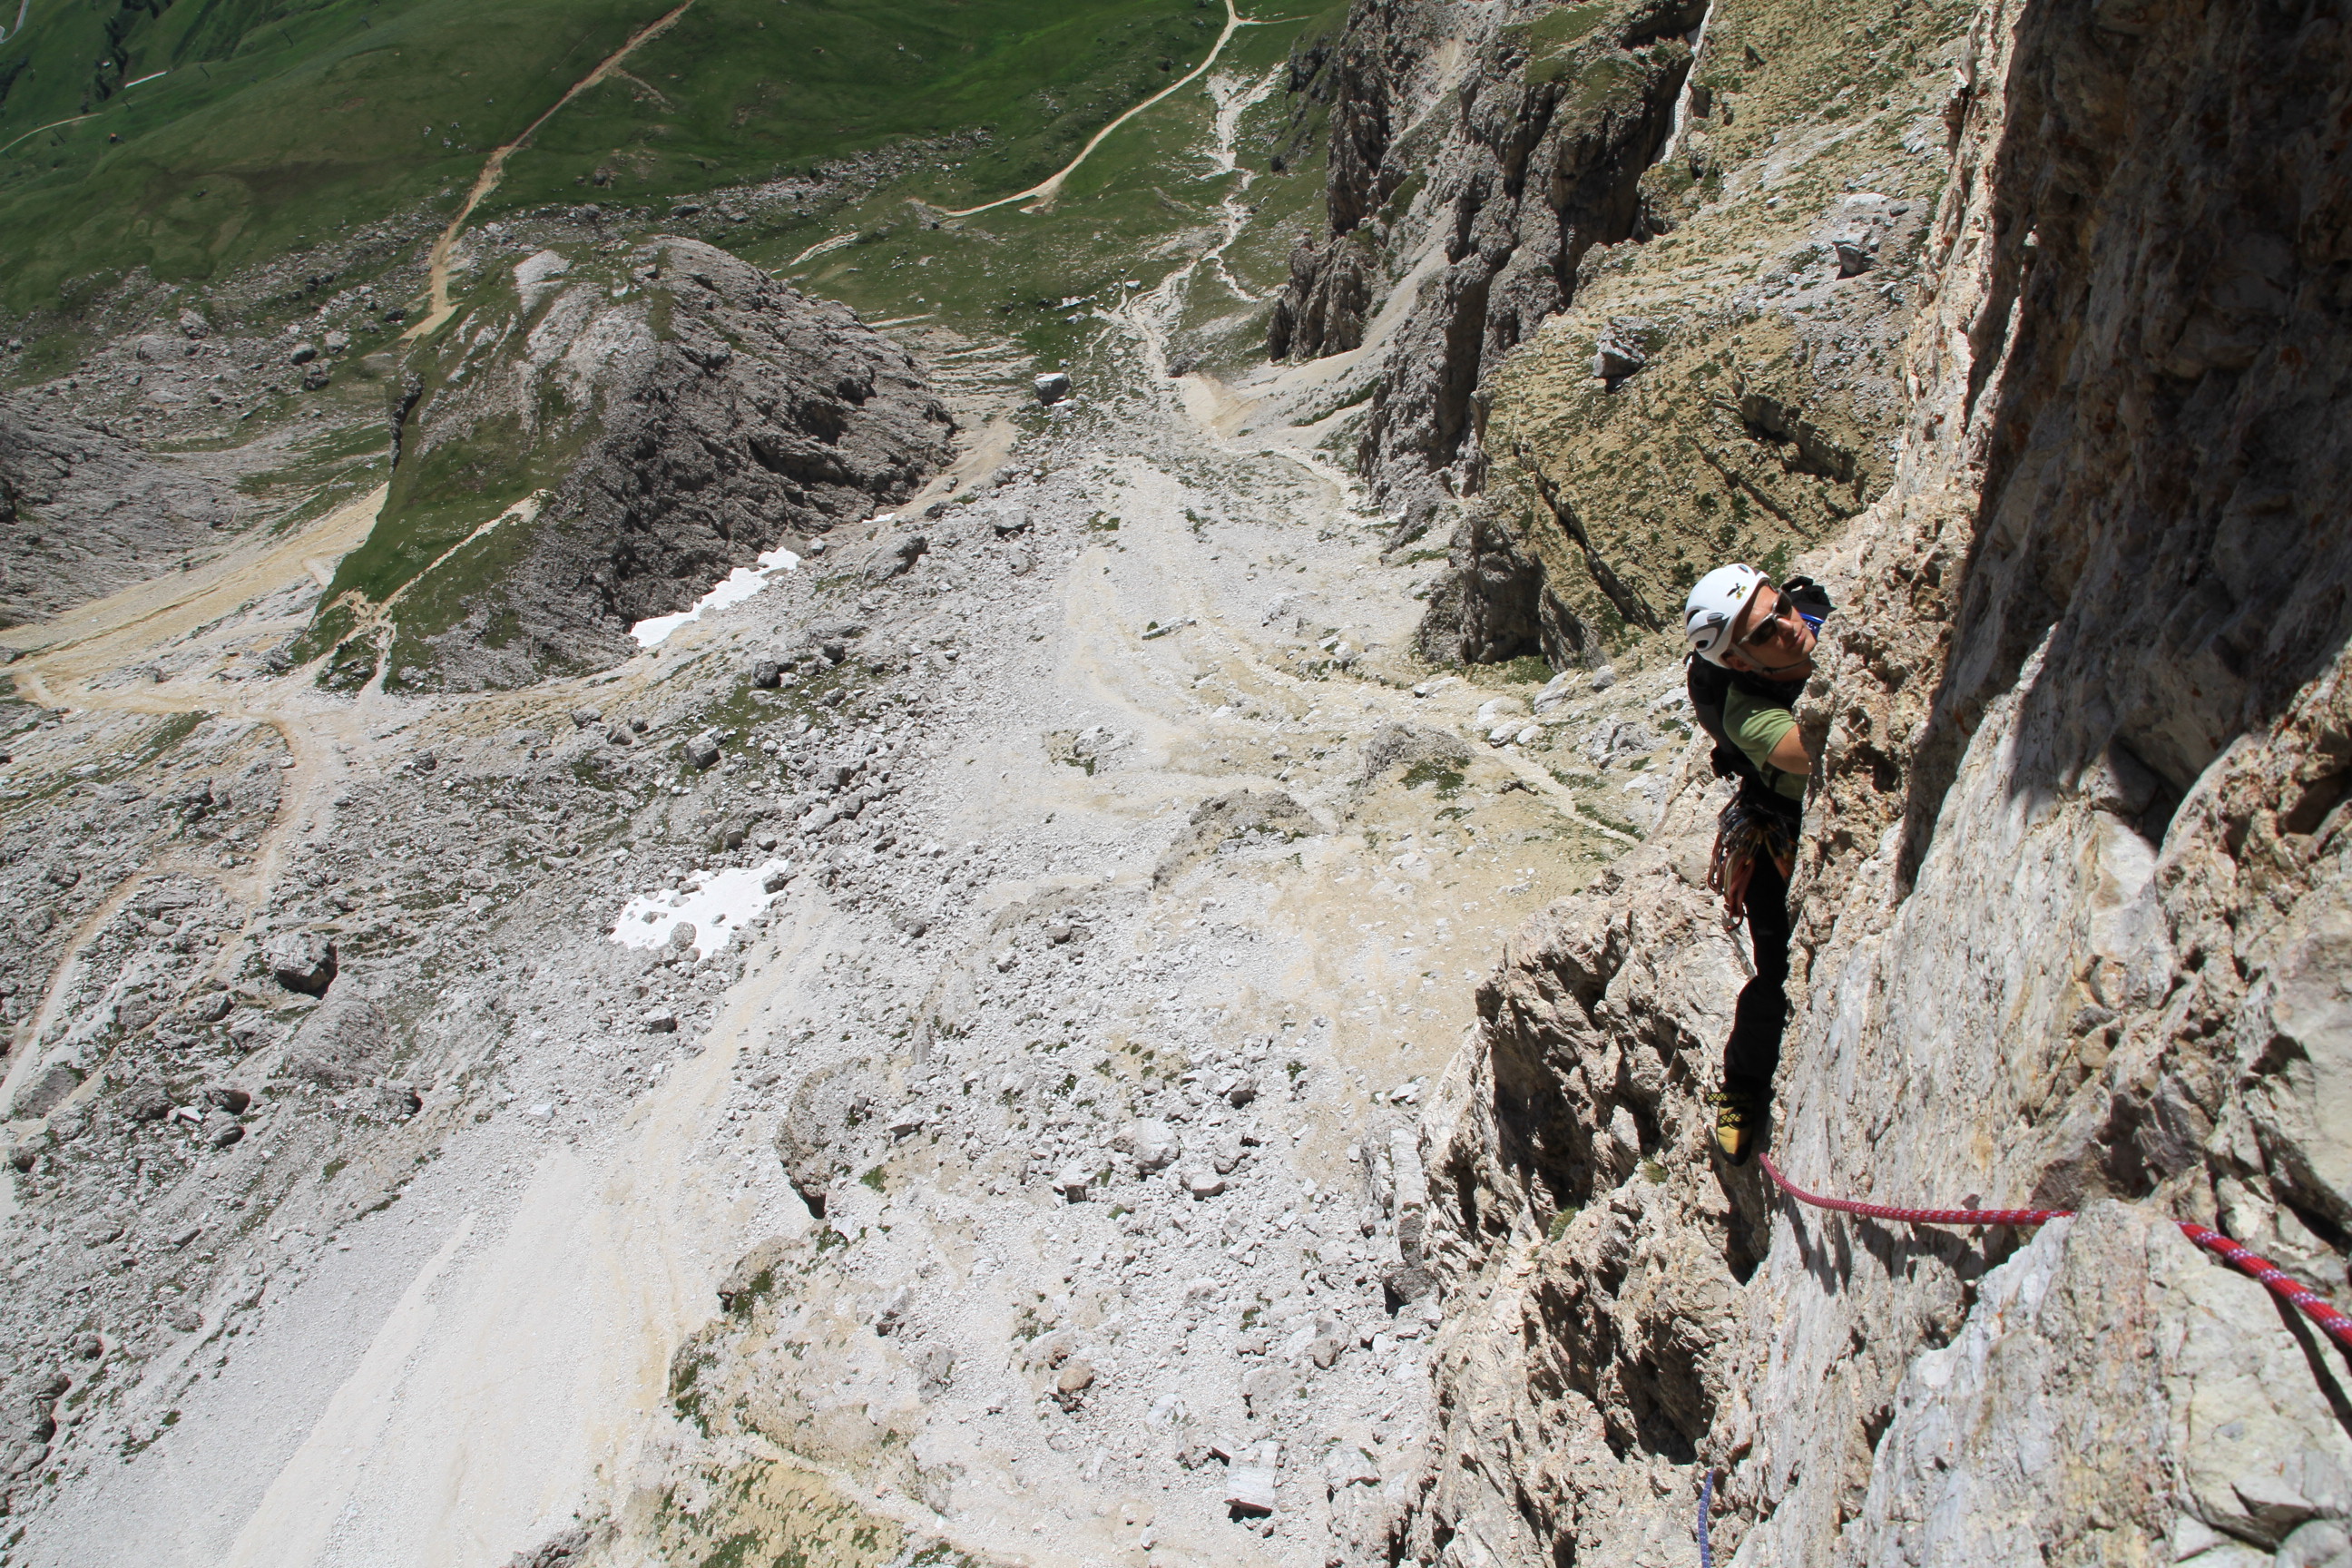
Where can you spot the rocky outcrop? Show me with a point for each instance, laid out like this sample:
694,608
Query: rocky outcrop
1557,118
84,513
596,441
1496,602
1724,382
2074,906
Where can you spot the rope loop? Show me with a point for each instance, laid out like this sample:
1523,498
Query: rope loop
2277,1280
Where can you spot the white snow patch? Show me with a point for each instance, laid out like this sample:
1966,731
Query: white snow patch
718,904
739,585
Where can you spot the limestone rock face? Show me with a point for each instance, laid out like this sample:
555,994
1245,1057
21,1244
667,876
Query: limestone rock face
1543,162
598,440
84,513
827,1123
2074,906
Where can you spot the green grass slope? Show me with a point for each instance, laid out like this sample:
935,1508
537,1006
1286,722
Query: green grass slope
277,122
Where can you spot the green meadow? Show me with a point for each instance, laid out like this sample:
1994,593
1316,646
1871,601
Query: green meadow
277,124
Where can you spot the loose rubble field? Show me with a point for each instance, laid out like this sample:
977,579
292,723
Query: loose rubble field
1108,881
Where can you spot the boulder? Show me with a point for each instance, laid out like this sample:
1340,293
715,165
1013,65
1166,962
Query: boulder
302,961
1151,1143
1249,1490
44,1091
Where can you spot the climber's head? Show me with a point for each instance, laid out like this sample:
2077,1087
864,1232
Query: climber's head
1736,619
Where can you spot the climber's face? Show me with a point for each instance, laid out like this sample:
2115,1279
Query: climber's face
1770,638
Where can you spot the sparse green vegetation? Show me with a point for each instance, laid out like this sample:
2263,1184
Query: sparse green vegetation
1446,777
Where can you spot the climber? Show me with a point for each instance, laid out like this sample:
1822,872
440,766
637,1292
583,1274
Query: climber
1752,651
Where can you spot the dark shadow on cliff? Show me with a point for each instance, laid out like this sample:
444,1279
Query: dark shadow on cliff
2159,560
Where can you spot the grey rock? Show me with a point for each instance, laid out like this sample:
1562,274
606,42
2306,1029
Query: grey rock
1407,1281
1204,1183
303,353
1053,387
1620,351
1241,815
771,415
336,341
823,632
754,1275
225,1134
659,1021
893,558
1250,1490
1400,748
2321,1543
347,1041
1151,1143
144,1101
228,1097
302,962
820,1132
44,1091
702,750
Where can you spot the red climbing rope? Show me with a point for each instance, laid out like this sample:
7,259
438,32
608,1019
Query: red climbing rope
2282,1284
1911,1217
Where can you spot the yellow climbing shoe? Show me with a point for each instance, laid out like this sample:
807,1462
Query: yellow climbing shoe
1739,1124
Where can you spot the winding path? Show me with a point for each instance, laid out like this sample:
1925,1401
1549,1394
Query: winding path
1048,188
495,167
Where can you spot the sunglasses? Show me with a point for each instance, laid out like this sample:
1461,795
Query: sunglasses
1771,628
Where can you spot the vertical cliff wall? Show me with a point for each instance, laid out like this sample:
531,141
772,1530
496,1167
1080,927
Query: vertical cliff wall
2076,914
1531,153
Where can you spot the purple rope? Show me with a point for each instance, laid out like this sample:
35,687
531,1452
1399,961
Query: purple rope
1705,1501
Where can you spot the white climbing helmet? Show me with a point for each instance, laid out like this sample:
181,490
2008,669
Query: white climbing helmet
1715,602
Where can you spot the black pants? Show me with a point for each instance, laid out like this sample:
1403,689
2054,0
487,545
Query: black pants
1753,1053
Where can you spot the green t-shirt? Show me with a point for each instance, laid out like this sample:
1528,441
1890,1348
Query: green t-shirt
1756,727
